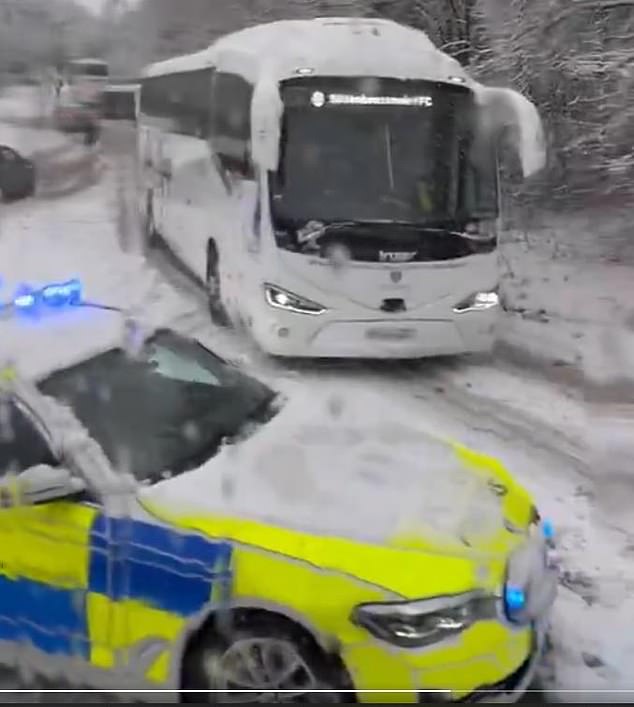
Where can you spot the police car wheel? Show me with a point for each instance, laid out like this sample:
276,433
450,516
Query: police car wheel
261,659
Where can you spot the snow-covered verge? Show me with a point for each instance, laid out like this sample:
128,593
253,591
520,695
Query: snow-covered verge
569,287
26,103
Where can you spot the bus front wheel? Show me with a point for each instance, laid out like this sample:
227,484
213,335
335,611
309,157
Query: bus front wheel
212,283
149,225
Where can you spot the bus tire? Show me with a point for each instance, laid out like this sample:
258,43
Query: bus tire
217,310
149,225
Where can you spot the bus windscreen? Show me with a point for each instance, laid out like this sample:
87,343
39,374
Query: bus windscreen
372,150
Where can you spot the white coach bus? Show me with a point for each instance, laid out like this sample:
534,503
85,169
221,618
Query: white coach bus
334,182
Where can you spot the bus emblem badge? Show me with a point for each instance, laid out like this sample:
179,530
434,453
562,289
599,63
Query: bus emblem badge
318,99
396,276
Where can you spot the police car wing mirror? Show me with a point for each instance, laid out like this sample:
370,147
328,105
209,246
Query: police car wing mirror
40,484
505,111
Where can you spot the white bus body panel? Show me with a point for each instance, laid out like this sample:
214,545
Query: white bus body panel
198,208
354,325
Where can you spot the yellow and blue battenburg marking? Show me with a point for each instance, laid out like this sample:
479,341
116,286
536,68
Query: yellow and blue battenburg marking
155,565
128,581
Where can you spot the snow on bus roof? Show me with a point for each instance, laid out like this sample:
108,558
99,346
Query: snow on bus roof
121,88
356,47
87,61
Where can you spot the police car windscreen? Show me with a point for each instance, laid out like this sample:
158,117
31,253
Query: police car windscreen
166,410
370,149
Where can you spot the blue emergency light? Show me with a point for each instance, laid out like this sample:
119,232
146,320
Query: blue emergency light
53,296
548,529
514,601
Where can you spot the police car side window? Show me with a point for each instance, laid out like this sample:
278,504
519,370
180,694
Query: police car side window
21,443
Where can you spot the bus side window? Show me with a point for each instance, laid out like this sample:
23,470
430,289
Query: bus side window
187,95
198,101
154,97
231,122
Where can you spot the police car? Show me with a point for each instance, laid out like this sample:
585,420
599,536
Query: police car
168,523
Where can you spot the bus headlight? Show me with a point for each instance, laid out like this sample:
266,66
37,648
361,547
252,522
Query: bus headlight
415,624
478,302
283,299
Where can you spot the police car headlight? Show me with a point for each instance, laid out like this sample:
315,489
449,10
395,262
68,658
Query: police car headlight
478,301
416,624
283,299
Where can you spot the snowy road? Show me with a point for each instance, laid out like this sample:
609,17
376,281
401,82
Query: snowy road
538,428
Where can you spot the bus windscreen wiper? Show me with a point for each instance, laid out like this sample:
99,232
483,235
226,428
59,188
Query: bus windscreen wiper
475,237
311,232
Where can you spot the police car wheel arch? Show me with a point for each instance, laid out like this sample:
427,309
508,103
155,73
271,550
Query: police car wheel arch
256,627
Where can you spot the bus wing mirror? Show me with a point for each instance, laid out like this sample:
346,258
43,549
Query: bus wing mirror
506,110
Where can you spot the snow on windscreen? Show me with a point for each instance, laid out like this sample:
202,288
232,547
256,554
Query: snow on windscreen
352,465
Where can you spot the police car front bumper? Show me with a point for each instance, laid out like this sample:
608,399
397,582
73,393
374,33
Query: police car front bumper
513,687
536,567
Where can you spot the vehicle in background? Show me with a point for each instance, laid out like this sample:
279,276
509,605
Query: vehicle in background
338,204
121,102
87,79
17,174
73,117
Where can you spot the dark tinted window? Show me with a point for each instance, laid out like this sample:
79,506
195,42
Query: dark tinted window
99,70
183,98
231,116
479,196
21,443
342,160
151,103
119,105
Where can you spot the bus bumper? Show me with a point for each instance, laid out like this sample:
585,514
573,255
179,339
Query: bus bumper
282,333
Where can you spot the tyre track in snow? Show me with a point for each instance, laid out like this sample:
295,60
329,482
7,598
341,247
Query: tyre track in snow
428,382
